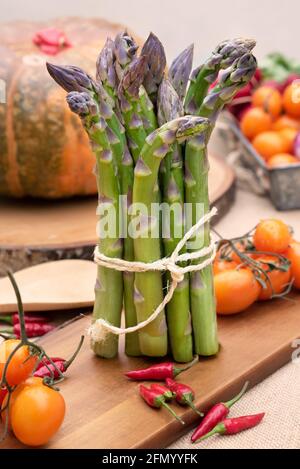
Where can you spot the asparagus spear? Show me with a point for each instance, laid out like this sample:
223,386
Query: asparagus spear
154,52
125,52
180,71
178,309
196,192
105,69
148,285
109,284
128,93
202,77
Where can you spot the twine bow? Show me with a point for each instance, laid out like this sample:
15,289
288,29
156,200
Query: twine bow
100,328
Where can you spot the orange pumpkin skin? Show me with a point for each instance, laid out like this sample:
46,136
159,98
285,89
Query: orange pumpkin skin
44,151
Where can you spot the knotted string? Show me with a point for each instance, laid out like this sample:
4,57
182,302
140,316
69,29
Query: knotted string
100,328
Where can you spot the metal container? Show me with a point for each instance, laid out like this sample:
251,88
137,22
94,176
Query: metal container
282,184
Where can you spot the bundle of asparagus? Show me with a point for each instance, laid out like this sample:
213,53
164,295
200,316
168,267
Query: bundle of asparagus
149,134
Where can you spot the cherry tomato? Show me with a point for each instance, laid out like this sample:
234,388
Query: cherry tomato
279,279
272,235
235,290
222,265
36,412
293,254
21,365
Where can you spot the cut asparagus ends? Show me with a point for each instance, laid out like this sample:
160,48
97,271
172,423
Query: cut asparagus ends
148,285
178,309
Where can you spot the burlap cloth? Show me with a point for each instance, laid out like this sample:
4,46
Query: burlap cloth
279,394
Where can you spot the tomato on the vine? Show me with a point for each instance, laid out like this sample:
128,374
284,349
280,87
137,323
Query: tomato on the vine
278,279
272,235
235,290
221,265
22,363
293,254
36,412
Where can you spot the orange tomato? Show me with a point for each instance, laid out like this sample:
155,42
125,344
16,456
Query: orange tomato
279,279
288,136
223,265
272,235
36,412
235,291
293,254
21,365
267,144
255,121
269,99
286,122
282,159
291,100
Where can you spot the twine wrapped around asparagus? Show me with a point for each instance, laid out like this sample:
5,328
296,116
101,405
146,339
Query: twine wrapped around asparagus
148,150
100,329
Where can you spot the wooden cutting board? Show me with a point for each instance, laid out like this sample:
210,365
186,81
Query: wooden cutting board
32,232
104,409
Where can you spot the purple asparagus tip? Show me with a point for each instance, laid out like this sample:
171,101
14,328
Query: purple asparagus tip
70,78
154,51
105,70
133,77
180,70
81,103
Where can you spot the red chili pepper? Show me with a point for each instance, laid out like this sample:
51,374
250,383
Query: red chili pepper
215,415
46,368
167,393
234,425
3,392
46,361
33,329
158,372
157,399
14,319
184,394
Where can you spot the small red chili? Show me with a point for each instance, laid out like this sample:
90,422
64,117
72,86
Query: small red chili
166,393
215,415
158,372
157,399
234,425
46,361
14,319
184,394
33,329
48,369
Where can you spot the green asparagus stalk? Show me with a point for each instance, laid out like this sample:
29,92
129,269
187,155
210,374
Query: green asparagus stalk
196,192
180,71
221,58
124,162
128,93
148,285
178,309
109,284
154,52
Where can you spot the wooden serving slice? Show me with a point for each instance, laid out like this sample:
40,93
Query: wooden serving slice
65,284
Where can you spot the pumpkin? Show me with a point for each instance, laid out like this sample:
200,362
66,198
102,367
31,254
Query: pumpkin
44,151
